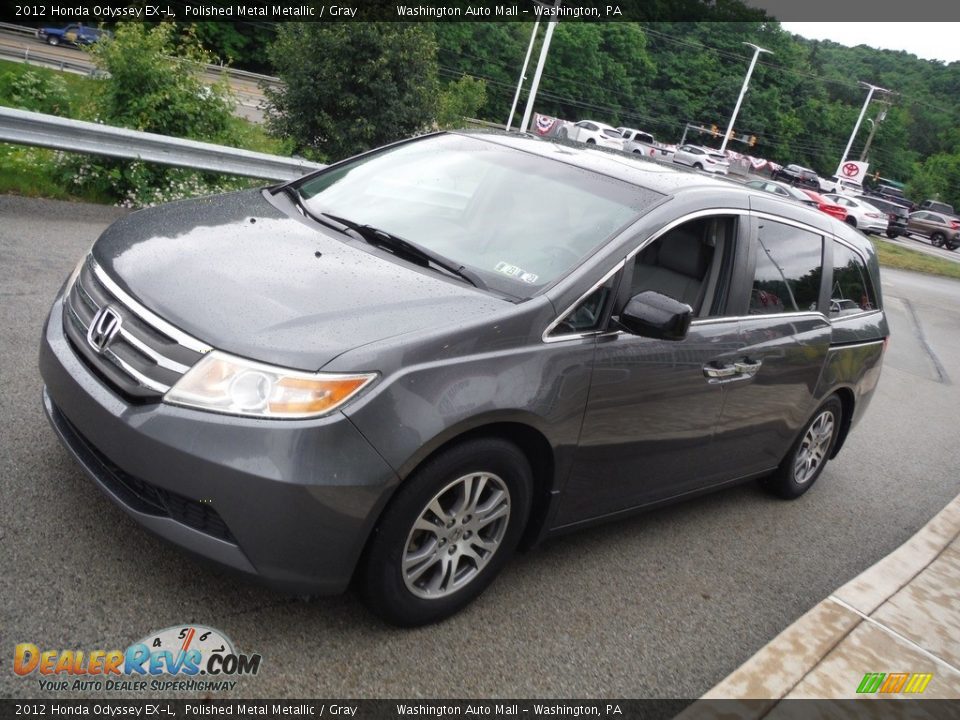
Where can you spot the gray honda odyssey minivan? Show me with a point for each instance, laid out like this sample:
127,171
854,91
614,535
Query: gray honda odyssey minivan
399,369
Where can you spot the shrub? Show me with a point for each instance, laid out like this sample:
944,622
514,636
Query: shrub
39,93
154,83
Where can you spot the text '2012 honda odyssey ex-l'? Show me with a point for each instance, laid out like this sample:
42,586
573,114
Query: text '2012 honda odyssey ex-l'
398,369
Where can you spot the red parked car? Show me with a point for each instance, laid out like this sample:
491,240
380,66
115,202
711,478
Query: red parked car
824,205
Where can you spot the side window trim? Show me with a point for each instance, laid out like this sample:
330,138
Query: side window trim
548,338
826,276
866,278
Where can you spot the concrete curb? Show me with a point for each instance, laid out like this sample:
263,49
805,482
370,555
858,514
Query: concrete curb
778,668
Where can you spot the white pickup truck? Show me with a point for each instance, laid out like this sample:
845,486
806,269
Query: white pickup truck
642,143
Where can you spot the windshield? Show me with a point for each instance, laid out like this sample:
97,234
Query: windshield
517,220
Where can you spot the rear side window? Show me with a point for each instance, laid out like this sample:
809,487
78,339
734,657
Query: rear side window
851,292
789,267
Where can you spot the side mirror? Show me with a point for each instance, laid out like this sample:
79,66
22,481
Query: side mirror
651,314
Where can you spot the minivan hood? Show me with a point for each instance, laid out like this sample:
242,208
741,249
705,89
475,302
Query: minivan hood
240,275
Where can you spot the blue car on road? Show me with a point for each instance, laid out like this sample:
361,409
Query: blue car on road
75,34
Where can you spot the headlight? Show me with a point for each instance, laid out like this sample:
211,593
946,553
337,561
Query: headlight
76,271
227,384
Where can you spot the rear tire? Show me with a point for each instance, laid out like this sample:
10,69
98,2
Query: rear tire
436,548
951,246
937,239
809,454
892,235
53,40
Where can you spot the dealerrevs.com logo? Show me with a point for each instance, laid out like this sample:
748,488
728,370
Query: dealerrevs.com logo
190,658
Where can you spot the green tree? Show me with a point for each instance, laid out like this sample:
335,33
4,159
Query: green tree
153,81
156,84
937,178
460,100
349,87
242,44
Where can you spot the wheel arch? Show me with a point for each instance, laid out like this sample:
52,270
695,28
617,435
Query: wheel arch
531,441
519,429
848,403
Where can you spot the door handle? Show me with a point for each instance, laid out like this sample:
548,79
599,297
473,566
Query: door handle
747,368
722,372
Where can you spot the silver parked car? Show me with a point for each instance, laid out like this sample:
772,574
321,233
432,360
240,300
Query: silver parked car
701,158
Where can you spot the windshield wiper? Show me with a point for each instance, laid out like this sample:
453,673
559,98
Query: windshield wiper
325,220
408,249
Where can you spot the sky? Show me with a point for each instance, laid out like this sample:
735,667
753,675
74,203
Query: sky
928,40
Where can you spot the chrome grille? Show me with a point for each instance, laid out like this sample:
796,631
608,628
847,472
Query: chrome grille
145,356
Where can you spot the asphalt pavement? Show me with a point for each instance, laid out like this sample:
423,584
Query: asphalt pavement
661,605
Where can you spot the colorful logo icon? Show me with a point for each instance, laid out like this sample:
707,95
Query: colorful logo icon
893,683
182,651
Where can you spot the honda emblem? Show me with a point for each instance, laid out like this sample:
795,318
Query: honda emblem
104,326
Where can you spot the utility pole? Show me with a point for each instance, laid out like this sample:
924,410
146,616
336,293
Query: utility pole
873,131
539,72
863,111
523,73
743,91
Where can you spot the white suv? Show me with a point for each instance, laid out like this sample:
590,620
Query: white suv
596,133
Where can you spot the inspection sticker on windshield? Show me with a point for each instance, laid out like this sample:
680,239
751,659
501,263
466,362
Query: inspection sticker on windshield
516,273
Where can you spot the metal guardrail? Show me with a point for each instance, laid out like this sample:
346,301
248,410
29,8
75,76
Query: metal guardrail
22,127
41,59
18,28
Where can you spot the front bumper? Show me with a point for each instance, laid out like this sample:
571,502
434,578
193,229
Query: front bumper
291,502
875,226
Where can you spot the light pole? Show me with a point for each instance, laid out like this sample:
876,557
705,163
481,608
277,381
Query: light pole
523,73
743,91
540,63
863,111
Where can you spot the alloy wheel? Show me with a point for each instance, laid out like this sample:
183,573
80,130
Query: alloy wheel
456,535
814,447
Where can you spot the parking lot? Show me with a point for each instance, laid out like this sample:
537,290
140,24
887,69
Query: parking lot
661,605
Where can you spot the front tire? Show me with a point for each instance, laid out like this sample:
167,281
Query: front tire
937,239
809,454
851,221
893,235
53,40
697,166
447,532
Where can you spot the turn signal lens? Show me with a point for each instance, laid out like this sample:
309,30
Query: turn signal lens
235,386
